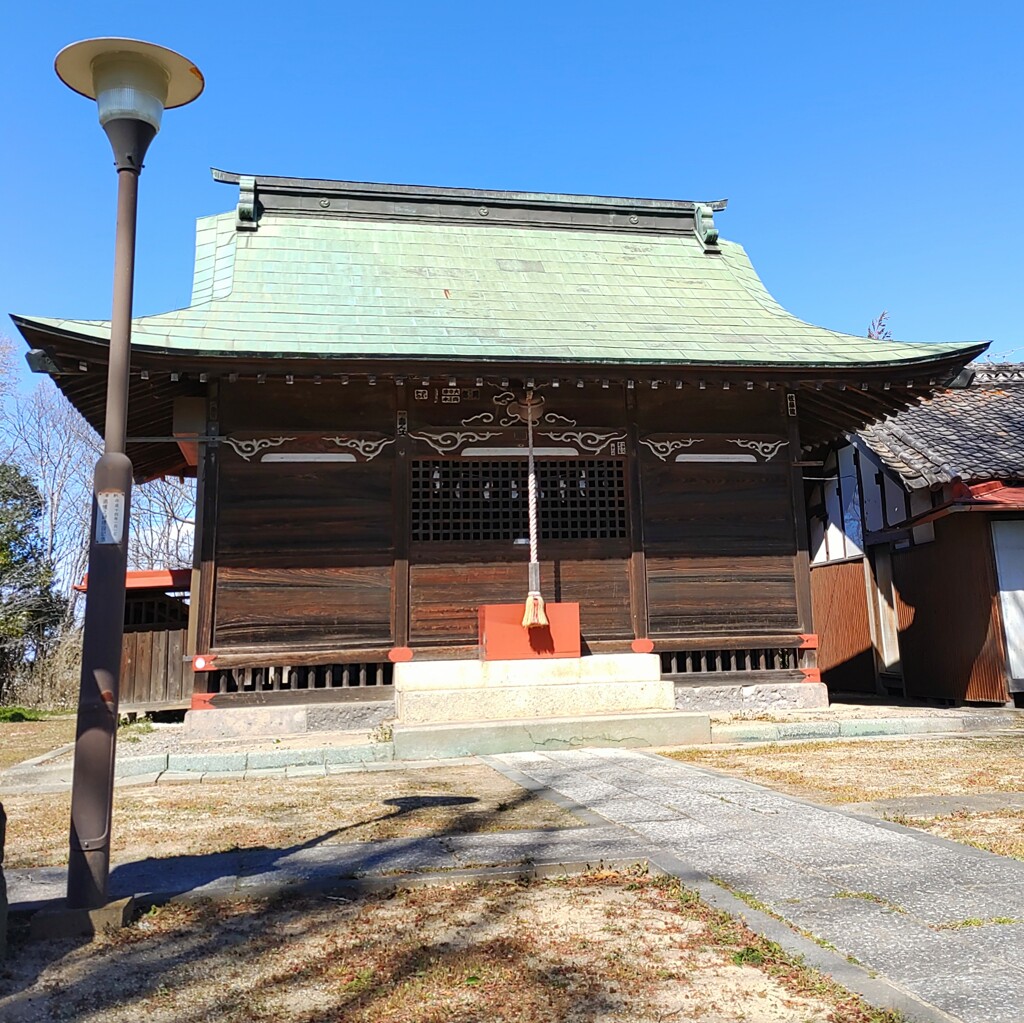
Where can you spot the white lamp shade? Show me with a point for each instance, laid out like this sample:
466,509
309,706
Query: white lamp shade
129,78
130,86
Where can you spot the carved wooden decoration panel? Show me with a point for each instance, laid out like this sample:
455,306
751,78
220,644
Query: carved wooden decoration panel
716,448
311,448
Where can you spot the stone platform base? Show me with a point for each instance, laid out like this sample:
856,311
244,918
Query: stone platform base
444,692
768,696
430,742
288,719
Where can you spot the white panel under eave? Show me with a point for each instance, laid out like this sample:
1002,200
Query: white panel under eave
835,542
895,502
870,474
1008,543
921,502
849,492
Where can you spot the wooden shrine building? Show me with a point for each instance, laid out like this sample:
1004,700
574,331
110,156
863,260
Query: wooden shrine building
345,386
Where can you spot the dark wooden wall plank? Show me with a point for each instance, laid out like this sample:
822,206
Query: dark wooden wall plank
801,556
126,695
445,598
304,606
947,604
305,514
690,596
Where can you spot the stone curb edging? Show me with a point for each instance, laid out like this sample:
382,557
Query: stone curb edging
855,728
159,765
40,774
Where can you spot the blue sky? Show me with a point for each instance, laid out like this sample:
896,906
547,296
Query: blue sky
871,152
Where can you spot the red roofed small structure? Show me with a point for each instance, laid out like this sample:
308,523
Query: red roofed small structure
917,545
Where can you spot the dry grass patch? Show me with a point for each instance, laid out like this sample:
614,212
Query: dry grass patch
183,820
861,771
23,740
598,948
996,831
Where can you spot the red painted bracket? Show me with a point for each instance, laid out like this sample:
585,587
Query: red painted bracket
811,674
808,641
204,662
201,701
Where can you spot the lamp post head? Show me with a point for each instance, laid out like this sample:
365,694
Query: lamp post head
133,82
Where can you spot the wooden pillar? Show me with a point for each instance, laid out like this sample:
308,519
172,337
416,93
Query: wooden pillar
637,557
400,497
204,559
801,557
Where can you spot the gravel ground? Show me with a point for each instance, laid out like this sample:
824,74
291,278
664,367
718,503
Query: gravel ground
599,949
180,820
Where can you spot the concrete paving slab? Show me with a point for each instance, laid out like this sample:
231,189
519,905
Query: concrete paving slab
981,991
1003,942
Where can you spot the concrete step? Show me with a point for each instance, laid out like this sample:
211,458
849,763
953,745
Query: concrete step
651,728
709,695
287,719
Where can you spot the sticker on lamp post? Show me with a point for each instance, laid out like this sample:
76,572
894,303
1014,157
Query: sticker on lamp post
109,516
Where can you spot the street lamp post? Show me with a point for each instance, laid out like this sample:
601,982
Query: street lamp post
132,83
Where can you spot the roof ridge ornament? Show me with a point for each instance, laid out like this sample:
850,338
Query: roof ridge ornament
997,373
704,227
248,205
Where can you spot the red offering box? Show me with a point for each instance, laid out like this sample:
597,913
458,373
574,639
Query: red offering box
503,638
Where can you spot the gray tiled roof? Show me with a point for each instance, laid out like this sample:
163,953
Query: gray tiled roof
971,434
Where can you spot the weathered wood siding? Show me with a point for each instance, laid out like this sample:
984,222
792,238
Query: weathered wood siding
154,671
719,536
318,555
305,550
948,609
846,655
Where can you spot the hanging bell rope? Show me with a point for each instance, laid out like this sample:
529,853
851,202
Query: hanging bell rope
533,614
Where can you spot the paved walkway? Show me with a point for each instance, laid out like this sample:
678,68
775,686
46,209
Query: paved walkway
898,901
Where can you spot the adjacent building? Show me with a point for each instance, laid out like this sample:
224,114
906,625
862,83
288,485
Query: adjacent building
917,536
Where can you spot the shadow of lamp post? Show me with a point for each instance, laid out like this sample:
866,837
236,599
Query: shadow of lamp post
133,83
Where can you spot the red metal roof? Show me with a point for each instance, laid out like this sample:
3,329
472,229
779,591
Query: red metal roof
994,492
158,579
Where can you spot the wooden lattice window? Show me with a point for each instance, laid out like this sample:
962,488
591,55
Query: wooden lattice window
578,499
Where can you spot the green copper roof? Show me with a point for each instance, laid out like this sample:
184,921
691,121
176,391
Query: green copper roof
304,284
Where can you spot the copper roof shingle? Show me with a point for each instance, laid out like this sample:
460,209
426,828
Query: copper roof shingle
320,269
